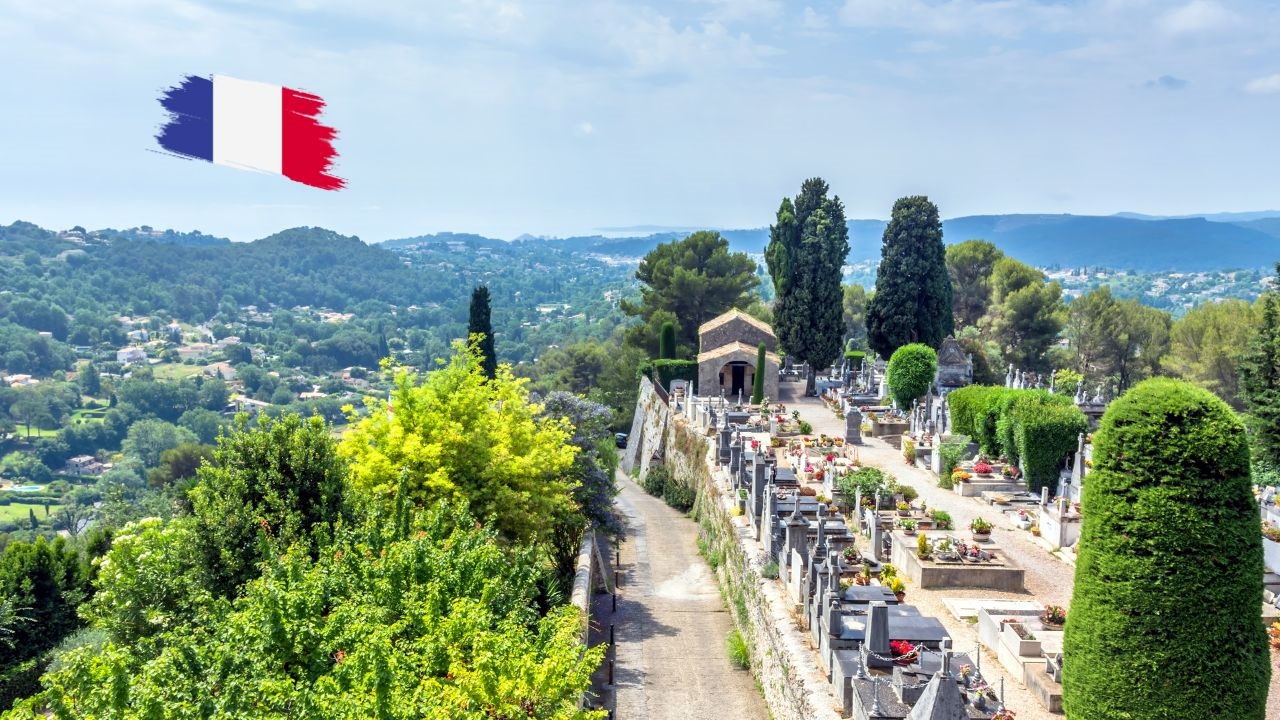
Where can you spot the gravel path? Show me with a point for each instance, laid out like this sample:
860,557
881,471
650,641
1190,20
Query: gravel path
671,623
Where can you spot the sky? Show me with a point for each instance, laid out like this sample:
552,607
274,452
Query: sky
558,117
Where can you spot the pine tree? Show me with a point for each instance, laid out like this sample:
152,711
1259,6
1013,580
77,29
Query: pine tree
912,302
807,248
479,324
667,343
757,389
1259,371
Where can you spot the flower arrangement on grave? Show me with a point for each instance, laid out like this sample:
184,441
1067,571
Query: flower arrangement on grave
1270,532
982,468
982,458
1010,471
959,475
1055,615
1274,633
903,508
851,556
887,571
864,577
923,550
904,653
897,587
980,526
755,444
908,526
829,457
795,415
808,491
776,442
1004,714
966,672
1035,529
941,518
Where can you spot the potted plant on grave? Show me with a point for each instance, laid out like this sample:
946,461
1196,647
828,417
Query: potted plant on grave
1053,617
981,529
1004,714
982,469
904,509
908,526
923,550
898,588
851,556
1035,529
864,577
1010,472
958,476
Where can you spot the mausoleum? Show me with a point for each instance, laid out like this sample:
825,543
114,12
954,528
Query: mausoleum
727,356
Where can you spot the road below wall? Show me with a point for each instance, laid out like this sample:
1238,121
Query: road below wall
671,623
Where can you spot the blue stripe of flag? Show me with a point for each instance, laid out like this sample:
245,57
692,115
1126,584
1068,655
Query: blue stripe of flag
190,128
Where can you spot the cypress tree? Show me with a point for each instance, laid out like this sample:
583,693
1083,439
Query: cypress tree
807,248
667,343
757,389
479,324
912,302
1164,619
1259,370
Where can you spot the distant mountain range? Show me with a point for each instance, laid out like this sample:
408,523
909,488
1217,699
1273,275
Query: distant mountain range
1128,241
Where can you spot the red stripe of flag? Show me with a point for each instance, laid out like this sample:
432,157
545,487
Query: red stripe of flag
307,147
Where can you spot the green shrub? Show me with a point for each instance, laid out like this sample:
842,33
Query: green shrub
663,372
867,479
679,495
739,652
854,357
1164,616
909,450
909,373
805,427
986,421
907,492
945,482
950,452
942,519
1046,433
655,481
770,570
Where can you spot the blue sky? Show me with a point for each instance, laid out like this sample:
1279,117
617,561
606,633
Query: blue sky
556,117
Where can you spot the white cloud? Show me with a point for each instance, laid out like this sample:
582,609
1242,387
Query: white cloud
585,128
732,11
1265,85
1196,17
813,20
953,17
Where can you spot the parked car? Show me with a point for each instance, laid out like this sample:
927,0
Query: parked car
620,439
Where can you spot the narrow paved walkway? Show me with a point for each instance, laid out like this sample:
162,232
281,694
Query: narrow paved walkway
671,623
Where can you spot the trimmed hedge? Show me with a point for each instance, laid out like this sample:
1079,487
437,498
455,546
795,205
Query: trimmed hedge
966,404
987,419
1164,618
1018,404
664,371
909,373
1045,434
854,357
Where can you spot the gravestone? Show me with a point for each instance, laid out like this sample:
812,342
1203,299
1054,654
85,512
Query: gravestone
853,427
764,529
877,540
935,457
759,479
796,583
735,457
875,647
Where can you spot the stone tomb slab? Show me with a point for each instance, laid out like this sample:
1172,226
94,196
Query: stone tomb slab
963,608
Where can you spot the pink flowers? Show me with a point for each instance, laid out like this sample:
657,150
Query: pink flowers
982,468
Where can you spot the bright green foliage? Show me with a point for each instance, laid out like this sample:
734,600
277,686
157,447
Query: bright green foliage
739,651
1045,433
480,324
1014,406
150,582
689,282
667,345
986,422
458,436
655,480
270,486
757,387
969,266
1121,340
433,620
1206,343
1026,314
1065,381
807,248
912,302
1164,617
951,452
910,372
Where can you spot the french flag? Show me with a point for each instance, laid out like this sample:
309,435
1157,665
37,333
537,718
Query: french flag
250,125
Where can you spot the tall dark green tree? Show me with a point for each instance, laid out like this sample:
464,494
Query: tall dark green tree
688,282
1164,614
912,302
807,248
1260,381
479,323
757,387
667,345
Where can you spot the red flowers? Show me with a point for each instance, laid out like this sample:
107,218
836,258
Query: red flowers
982,468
